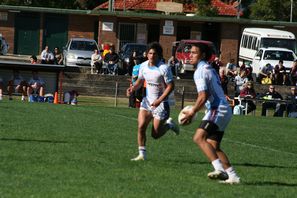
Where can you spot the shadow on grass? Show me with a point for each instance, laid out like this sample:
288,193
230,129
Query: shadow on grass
263,165
269,183
30,140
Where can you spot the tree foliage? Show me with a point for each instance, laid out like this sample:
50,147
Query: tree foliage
272,10
205,8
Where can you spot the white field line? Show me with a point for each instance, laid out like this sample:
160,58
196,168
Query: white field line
229,140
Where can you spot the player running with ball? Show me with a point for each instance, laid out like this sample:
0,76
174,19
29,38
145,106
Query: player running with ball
154,106
209,134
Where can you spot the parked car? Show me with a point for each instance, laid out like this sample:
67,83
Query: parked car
182,54
127,50
78,52
272,55
3,46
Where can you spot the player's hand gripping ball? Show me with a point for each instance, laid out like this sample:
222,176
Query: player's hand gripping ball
182,114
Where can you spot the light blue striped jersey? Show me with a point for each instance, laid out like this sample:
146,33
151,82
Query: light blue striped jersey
206,79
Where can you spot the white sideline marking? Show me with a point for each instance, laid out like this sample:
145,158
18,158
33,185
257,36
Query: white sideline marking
229,140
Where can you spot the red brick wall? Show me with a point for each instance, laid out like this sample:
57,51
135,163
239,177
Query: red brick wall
109,37
166,40
230,37
7,31
81,26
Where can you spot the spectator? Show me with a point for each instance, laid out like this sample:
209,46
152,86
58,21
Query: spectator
292,102
280,75
248,92
143,57
231,70
239,81
33,59
265,74
1,88
271,102
173,64
224,80
47,57
248,70
70,97
58,56
293,73
96,61
132,63
35,86
17,84
112,59
217,64
136,96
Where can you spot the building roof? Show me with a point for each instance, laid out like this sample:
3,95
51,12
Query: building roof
151,5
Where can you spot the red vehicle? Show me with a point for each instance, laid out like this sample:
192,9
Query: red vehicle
182,54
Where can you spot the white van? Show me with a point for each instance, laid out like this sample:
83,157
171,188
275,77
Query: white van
272,55
253,39
3,46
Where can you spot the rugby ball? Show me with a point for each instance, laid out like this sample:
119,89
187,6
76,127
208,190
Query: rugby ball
182,115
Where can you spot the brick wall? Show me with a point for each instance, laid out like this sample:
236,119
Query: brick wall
109,37
230,37
7,31
81,26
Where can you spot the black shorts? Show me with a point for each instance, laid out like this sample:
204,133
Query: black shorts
212,130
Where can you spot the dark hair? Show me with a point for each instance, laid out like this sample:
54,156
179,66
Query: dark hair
157,47
204,49
33,57
281,61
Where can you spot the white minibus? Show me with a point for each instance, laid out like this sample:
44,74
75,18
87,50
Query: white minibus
254,38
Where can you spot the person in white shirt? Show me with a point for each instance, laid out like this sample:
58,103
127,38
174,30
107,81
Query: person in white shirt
154,106
218,114
47,57
96,61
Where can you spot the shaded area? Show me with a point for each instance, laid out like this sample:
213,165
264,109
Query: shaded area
31,140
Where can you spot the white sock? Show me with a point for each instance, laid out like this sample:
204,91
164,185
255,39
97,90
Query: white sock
231,172
142,151
217,165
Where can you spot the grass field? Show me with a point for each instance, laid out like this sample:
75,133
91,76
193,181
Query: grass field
51,150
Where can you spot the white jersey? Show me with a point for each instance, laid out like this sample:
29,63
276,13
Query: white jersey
218,109
206,79
156,77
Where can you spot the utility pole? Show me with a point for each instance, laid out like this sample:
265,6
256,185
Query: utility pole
291,13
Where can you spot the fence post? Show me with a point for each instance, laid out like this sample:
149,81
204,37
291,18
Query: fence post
183,97
116,94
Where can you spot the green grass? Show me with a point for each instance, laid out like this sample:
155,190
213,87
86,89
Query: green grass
51,150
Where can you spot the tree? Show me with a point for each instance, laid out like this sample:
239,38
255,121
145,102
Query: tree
272,10
205,8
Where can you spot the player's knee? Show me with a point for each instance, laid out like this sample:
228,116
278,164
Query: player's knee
198,138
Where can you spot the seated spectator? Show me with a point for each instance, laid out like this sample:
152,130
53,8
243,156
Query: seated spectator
96,62
70,97
35,86
248,92
224,80
33,59
112,59
239,81
17,84
231,70
132,63
47,57
174,64
293,74
271,102
1,88
248,70
292,101
58,56
280,76
265,74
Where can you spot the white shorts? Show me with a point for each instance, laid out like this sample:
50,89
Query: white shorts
220,116
161,112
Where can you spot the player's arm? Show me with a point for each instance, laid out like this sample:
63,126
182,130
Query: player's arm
167,91
136,86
